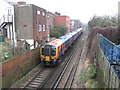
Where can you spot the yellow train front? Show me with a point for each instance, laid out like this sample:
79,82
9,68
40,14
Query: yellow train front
49,55
52,51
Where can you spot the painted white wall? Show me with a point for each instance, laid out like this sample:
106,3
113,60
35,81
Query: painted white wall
48,37
29,41
7,15
4,8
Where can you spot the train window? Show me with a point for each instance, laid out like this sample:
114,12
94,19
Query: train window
53,51
42,51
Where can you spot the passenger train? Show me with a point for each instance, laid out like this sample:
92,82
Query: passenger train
51,52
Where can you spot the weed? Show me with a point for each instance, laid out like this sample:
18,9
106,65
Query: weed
91,71
10,57
92,84
87,74
82,77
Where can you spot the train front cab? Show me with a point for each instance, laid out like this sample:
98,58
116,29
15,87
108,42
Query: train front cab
49,55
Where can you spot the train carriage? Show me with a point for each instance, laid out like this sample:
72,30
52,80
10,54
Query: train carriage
52,51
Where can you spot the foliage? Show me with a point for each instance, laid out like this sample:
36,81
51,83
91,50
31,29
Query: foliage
118,38
103,21
92,84
57,13
58,31
10,57
85,74
82,77
4,49
91,71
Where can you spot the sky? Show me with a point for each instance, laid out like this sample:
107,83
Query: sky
83,10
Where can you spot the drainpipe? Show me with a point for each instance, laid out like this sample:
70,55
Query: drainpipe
13,37
9,24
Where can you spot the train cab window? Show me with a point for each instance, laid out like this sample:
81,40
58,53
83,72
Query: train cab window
49,50
42,51
53,52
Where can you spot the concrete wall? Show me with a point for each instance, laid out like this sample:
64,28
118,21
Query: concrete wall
31,23
14,69
24,22
106,72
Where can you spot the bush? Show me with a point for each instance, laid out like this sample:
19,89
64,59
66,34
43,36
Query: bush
89,73
103,21
58,31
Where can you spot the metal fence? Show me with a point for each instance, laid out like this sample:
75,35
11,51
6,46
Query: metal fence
112,53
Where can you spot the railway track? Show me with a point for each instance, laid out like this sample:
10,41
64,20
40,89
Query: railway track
61,76
64,75
43,74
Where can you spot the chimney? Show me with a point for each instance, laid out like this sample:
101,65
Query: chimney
21,2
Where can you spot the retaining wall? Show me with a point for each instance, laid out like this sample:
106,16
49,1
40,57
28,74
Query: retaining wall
107,72
14,69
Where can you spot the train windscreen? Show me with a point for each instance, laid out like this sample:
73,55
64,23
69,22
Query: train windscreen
49,50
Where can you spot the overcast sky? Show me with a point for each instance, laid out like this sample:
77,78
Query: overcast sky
78,9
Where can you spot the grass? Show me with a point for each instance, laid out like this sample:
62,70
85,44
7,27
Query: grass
5,49
10,57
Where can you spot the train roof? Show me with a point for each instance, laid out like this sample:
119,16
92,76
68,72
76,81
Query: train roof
55,42
63,38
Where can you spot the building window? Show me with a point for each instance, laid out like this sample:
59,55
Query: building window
43,13
9,12
40,28
47,26
43,27
38,12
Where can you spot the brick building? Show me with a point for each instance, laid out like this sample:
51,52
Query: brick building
51,19
32,24
75,24
63,20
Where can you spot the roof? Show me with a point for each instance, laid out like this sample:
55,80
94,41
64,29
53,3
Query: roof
56,42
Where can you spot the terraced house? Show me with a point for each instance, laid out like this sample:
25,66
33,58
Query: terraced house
7,22
32,24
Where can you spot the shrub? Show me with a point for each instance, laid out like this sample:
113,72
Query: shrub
85,74
58,31
91,71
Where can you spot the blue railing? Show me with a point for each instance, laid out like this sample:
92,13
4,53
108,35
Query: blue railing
112,53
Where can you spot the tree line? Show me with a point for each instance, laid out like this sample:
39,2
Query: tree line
103,21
